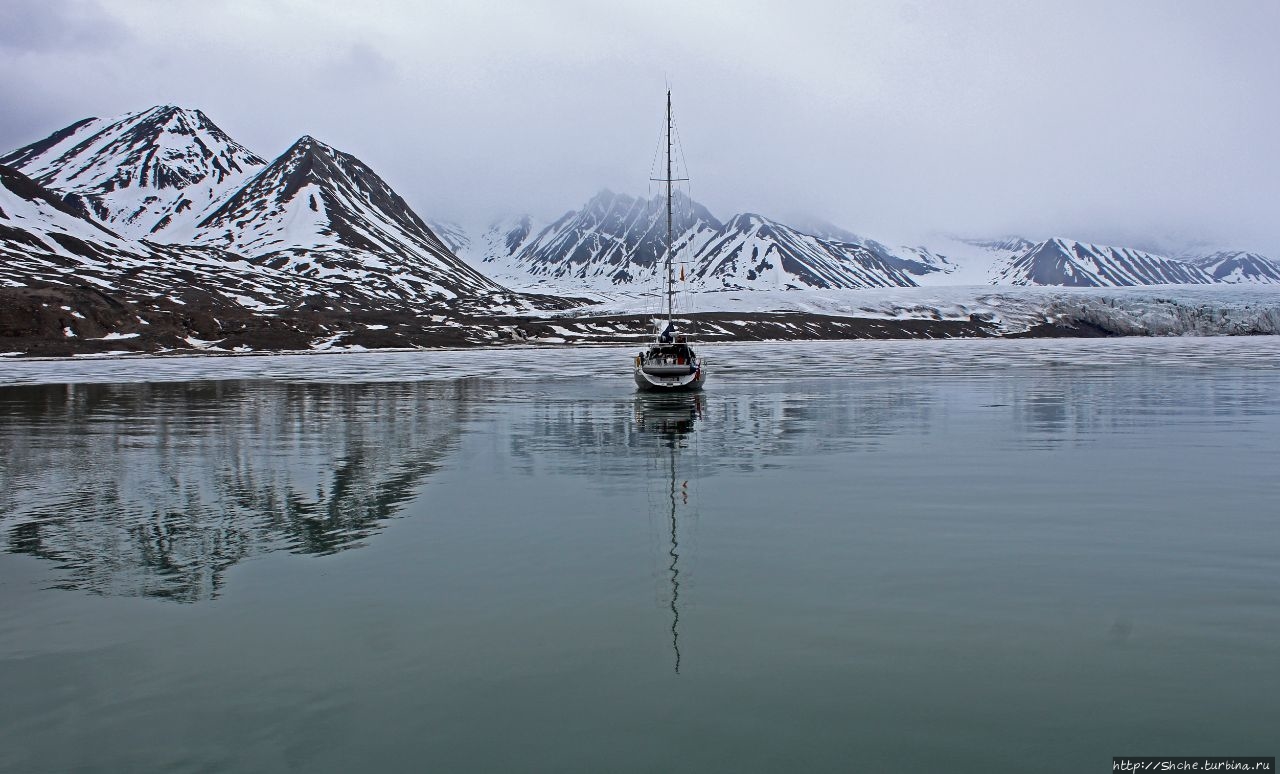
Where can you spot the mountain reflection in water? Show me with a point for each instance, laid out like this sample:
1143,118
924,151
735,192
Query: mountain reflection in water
155,490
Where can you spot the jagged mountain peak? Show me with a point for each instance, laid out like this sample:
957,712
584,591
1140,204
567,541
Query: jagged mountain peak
323,212
149,173
752,252
617,240
748,220
1078,246
308,146
168,111
173,118
1226,254
1063,261
307,160
756,225
618,213
1238,267
604,198
315,223
308,143
310,162
613,239
606,202
161,147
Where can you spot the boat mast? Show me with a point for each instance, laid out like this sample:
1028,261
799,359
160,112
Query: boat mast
670,277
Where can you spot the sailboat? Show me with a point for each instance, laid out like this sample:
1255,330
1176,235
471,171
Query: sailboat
669,364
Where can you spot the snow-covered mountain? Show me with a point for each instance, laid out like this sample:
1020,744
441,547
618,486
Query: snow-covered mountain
616,241
322,213
1070,263
493,251
504,238
751,252
150,174
310,250
454,236
157,225
44,242
1238,267
916,260
170,176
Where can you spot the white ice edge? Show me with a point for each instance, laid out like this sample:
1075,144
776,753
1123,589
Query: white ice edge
1153,310
734,366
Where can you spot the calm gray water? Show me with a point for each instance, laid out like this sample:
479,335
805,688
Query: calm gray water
889,556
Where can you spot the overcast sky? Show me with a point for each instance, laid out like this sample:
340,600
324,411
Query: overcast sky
1118,120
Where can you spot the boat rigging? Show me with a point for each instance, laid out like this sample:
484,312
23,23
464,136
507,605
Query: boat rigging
670,363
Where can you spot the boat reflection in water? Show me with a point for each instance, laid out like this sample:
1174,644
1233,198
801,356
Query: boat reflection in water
672,418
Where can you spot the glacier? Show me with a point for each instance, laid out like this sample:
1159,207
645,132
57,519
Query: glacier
1159,310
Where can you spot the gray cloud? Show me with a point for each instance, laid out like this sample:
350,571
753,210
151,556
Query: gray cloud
53,26
360,65
1114,121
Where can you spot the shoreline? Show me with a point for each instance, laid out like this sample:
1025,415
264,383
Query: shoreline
548,333
60,323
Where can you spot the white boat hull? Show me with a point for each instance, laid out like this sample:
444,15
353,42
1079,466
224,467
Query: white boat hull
650,378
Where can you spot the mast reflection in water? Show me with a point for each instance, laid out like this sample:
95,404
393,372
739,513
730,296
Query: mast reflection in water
672,417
